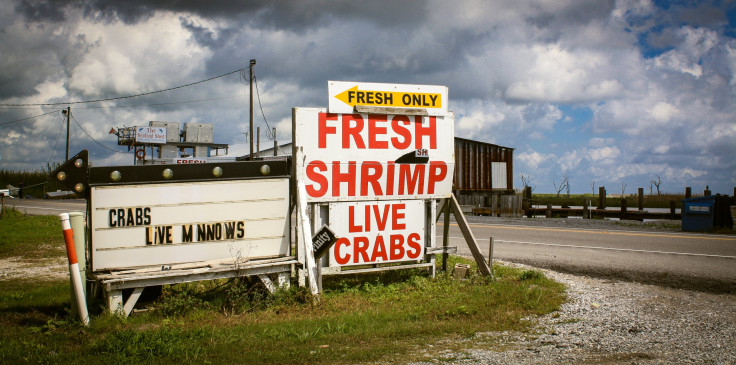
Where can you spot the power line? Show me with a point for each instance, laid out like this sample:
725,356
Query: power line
269,134
20,120
53,151
94,140
126,97
159,104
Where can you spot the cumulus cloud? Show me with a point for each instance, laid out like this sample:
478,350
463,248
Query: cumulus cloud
658,83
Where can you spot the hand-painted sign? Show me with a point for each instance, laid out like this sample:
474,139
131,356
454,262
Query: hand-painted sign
345,96
350,157
150,135
377,232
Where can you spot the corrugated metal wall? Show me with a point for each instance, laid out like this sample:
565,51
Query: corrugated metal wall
474,168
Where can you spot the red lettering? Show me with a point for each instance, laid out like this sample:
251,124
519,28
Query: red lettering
367,217
390,178
437,173
379,250
351,219
370,173
402,131
352,131
421,131
340,259
409,181
315,176
381,223
374,130
343,177
360,247
396,244
413,242
323,129
397,212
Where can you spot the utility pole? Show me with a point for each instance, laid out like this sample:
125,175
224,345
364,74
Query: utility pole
252,63
68,113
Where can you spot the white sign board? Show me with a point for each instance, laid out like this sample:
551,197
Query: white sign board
150,135
345,96
353,157
377,232
164,224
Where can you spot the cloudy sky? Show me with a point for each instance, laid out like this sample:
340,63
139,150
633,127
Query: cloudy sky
605,92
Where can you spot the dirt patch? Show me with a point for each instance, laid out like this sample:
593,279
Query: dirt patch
39,269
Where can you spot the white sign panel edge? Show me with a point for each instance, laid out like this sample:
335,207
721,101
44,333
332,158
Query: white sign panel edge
392,231
242,219
306,151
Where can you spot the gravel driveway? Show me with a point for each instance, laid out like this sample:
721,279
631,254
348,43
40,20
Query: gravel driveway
614,322
611,322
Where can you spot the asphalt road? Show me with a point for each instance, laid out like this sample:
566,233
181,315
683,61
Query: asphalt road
46,207
704,262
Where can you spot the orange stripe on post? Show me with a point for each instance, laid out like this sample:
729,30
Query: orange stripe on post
71,252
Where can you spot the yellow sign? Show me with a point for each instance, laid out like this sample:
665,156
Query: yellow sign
354,97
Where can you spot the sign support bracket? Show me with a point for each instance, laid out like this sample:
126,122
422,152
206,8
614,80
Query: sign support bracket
469,238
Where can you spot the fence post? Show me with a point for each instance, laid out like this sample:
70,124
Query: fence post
672,209
586,209
601,197
706,192
623,208
549,211
641,199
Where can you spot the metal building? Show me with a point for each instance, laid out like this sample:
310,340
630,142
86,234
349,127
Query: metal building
483,169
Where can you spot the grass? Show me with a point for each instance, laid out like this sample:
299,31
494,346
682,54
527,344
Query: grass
386,317
30,236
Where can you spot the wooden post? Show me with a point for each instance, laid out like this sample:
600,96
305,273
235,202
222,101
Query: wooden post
672,209
549,211
490,255
641,199
445,233
623,209
688,192
586,209
706,192
601,197
469,238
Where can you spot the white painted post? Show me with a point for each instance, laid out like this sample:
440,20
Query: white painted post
305,238
74,268
76,219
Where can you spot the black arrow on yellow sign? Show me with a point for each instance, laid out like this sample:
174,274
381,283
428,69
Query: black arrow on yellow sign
354,97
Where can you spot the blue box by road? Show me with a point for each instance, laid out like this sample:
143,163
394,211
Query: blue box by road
698,214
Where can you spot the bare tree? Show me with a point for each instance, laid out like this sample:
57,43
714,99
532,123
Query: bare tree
656,183
567,185
592,187
623,190
563,184
526,180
